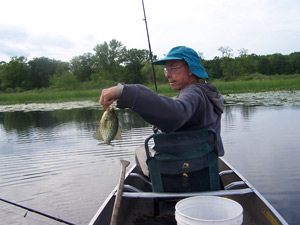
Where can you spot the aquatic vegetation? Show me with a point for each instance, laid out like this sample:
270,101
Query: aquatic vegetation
286,98
272,98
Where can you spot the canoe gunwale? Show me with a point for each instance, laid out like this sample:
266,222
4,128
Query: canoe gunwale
185,195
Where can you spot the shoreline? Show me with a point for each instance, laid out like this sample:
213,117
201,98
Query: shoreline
271,98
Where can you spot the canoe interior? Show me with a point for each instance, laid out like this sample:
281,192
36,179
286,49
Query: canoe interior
141,210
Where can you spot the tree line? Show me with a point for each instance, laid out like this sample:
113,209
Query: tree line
112,62
229,68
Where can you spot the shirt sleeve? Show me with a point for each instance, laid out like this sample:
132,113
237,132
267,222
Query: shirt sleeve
168,114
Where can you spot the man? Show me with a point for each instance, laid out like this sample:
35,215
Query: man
197,105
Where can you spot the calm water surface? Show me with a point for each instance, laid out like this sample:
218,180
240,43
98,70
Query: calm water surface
50,162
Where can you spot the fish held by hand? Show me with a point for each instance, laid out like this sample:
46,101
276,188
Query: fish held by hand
108,127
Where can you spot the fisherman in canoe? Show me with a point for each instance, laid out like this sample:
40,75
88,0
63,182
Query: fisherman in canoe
198,104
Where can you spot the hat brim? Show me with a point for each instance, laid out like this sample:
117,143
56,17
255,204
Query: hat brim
163,61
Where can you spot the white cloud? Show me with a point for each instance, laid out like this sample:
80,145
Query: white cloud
64,29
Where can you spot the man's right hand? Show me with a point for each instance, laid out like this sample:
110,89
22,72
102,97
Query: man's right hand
108,96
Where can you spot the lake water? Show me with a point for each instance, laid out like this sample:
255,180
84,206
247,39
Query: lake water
50,162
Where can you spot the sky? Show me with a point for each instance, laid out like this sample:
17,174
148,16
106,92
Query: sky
63,29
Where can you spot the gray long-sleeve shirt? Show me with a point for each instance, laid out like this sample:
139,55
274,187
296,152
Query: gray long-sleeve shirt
197,105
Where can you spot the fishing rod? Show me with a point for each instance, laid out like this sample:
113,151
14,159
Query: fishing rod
37,212
153,71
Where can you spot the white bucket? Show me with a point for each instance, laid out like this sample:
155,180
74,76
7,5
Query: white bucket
208,210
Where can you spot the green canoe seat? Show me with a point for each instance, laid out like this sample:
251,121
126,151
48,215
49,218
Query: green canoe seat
184,161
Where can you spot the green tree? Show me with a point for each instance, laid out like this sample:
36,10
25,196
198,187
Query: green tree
133,61
278,63
42,69
247,63
65,80
148,73
108,59
16,75
213,67
61,67
83,66
294,59
230,68
2,63
263,65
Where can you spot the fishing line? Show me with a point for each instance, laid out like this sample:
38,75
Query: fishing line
35,211
153,71
25,216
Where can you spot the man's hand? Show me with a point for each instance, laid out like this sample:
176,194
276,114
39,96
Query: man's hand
108,96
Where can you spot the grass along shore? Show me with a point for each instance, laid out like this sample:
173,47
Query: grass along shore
280,83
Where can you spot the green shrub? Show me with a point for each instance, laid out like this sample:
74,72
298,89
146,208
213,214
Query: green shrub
254,76
65,81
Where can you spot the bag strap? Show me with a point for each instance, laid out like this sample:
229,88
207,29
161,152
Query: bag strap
155,175
214,171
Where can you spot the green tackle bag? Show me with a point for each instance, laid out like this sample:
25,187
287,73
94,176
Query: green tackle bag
185,161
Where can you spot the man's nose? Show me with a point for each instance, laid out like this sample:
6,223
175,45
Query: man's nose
168,74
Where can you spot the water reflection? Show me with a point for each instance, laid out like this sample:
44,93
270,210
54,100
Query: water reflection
49,160
23,121
263,146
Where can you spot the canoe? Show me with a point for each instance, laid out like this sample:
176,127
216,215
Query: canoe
139,205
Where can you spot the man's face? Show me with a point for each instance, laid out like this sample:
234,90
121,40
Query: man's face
178,74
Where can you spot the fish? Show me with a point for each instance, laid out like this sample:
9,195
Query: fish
109,128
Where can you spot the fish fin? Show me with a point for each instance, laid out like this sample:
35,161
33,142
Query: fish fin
97,135
118,134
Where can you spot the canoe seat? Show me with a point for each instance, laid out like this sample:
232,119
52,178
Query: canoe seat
185,161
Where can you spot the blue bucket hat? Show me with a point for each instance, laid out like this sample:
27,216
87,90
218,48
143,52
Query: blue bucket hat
187,54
